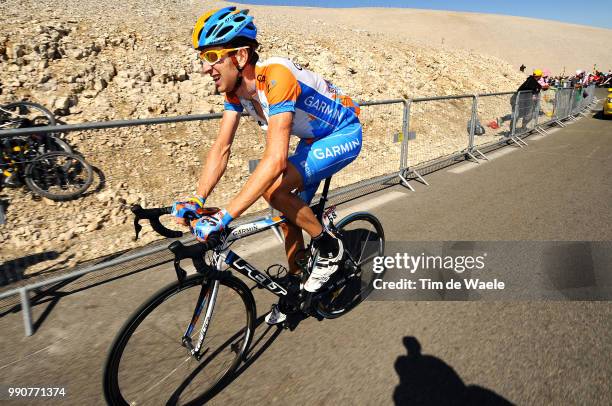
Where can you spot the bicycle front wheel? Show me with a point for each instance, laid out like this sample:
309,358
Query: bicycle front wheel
148,364
59,175
364,239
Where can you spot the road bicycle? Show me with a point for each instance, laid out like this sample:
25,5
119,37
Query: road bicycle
55,175
44,162
186,341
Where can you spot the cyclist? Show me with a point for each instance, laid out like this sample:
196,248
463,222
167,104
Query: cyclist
284,98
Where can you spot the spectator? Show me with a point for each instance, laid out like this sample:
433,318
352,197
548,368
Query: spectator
523,103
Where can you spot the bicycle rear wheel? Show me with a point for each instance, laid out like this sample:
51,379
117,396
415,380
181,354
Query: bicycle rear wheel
59,176
364,239
148,364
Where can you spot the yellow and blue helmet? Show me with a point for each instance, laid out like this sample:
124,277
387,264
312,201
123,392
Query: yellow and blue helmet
221,26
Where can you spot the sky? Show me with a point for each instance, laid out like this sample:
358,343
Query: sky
596,13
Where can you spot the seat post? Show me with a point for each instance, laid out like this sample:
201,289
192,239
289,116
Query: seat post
321,205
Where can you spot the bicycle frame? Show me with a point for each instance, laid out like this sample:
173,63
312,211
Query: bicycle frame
224,256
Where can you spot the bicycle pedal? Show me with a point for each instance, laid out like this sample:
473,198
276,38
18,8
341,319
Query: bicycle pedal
292,321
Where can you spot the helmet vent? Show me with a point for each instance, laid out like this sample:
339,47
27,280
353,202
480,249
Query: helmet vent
224,31
239,19
210,31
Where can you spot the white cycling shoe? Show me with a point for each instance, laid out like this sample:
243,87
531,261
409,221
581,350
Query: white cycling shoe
323,269
275,316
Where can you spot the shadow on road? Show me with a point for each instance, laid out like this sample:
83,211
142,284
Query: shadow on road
50,295
13,270
600,116
427,380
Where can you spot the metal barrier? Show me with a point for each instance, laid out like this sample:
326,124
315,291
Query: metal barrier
401,139
494,111
546,110
525,105
439,131
382,146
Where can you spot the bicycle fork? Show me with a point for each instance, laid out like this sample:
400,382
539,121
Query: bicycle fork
207,299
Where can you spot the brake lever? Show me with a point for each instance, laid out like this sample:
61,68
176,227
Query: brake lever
137,226
194,252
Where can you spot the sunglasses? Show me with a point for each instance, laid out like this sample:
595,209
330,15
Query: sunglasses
212,56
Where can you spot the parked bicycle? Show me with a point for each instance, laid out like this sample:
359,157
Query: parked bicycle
187,340
43,162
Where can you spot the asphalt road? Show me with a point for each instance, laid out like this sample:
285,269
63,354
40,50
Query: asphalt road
523,352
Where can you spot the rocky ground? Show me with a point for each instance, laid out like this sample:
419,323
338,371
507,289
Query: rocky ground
91,61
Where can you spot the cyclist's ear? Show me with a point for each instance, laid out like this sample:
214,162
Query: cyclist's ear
242,56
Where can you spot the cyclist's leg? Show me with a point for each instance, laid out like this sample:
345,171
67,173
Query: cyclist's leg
281,197
321,159
294,243
311,163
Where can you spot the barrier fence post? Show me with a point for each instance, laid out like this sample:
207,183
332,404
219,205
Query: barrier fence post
514,115
404,168
472,123
405,131
557,107
515,109
27,311
537,114
568,108
572,104
537,109
404,161
474,114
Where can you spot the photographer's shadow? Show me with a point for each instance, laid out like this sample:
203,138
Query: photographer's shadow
427,380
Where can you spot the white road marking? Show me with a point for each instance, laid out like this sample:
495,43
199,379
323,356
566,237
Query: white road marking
471,165
558,147
371,203
29,355
540,136
592,152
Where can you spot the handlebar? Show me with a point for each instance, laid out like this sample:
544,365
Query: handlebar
153,216
194,252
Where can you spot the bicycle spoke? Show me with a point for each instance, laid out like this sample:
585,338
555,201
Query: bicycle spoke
364,245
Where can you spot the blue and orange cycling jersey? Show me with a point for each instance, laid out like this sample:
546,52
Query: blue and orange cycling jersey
319,107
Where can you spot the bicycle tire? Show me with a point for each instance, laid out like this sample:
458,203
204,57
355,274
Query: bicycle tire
57,170
331,306
112,369
48,114
53,143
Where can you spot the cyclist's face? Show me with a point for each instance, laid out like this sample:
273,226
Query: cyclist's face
223,73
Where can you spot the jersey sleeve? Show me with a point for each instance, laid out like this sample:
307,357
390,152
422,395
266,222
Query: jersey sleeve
232,103
281,89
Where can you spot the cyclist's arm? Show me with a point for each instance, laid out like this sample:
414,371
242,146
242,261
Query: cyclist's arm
271,166
219,153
